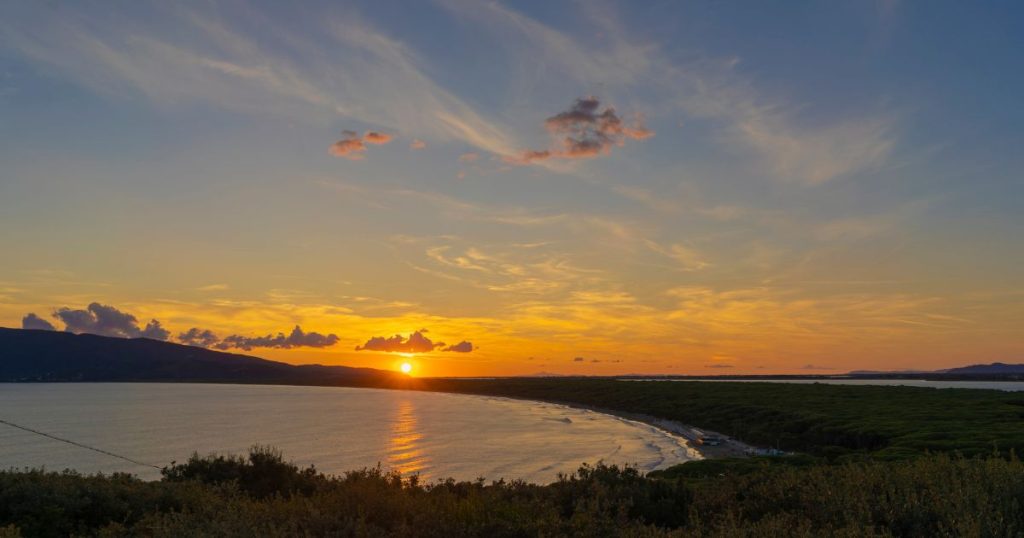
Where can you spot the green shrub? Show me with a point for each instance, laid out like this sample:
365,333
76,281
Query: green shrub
935,495
262,474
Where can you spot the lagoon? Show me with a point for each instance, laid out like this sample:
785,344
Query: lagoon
434,435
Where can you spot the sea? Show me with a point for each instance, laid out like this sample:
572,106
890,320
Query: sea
140,427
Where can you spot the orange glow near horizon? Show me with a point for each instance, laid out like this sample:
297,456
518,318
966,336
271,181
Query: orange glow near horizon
710,210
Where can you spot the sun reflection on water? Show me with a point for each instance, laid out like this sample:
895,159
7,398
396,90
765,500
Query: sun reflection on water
405,454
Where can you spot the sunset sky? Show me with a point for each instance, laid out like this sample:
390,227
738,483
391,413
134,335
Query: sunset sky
692,187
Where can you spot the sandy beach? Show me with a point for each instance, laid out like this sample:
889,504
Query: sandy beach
728,448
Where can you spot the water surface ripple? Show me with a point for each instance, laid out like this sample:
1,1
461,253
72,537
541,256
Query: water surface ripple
337,429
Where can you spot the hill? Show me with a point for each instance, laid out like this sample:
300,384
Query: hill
30,355
987,369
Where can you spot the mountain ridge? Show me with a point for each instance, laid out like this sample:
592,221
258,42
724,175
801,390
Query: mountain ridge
40,355
984,369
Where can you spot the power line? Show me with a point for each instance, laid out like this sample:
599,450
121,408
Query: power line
80,445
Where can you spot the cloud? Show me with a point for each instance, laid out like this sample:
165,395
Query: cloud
353,147
350,146
469,157
32,321
718,366
108,321
297,338
416,343
213,287
417,144
795,142
528,157
180,55
870,225
155,331
578,359
687,258
585,131
197,337
814,156
461,347
373,137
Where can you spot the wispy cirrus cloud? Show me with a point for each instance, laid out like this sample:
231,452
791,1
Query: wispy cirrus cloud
224,61
374,78
513,271
794,148
607,228
869,225
687,257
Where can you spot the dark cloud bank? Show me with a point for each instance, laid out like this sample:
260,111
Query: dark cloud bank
296,338
106,320
109,321
98,319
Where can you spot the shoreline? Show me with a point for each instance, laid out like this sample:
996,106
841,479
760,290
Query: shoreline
729,447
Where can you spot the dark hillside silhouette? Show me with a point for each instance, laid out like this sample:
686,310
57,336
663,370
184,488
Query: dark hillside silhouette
34,355
995,368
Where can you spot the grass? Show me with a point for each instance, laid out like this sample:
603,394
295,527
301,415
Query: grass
831,421
875,461
262,495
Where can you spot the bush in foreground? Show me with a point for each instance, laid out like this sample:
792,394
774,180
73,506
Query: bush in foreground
262,495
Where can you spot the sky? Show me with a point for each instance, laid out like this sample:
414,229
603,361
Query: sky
512,188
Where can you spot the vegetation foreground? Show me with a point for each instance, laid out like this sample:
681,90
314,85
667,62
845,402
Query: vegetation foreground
262,495
883,461
834,422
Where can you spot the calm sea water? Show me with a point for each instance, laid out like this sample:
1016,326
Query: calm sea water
1011,386
337,429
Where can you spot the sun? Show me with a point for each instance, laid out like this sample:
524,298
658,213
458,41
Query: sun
405,367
